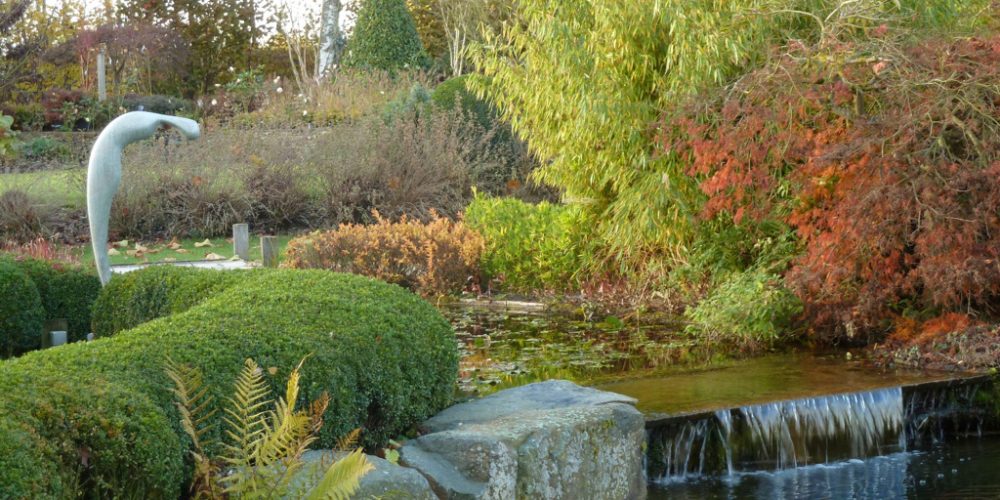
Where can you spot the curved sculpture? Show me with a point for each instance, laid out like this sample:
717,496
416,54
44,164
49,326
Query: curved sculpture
104,172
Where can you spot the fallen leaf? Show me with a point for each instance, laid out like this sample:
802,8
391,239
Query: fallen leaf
183,250
121,244
272,370
133,253
169,259
140,248
173,245
112,252
214,256
202,244
235,258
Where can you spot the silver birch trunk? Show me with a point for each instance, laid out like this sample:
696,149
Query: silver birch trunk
330,40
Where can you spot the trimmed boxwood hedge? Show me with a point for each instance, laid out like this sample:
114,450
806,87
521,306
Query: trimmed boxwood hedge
102,413
21,313
137,297
67,291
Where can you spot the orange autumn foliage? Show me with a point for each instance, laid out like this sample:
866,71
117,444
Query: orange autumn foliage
434,258
887,172
913,332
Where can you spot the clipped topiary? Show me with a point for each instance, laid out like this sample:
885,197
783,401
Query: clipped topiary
21,313
67,291
135,298
386,358
385,37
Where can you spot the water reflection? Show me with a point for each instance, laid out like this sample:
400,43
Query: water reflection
963,469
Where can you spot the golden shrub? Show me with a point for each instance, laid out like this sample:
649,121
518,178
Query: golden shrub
433,258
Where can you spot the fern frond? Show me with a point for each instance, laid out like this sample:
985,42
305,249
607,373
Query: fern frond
316,410
343,478
246,425
349,441
192,403
288,434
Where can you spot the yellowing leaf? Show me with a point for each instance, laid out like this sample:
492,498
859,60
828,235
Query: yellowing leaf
121,244
183,250
112,252
214,256
203,244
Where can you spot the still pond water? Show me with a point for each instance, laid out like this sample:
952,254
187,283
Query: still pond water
663,368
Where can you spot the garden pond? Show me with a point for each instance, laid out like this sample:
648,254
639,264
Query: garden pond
795,424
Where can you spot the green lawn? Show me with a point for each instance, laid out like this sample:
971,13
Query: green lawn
65,188
187,251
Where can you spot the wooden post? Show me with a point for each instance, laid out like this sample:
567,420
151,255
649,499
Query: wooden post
269,250
102,77
241,241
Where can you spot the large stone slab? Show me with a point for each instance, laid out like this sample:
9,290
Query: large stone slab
387,482
552,439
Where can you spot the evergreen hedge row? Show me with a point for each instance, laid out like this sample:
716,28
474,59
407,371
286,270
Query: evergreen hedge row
137,297
97,419
35,290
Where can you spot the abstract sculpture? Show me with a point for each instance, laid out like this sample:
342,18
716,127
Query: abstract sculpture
104,172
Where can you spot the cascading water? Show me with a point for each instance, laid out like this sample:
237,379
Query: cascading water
795,433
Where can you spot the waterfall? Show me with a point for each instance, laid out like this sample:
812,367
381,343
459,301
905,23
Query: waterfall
808,431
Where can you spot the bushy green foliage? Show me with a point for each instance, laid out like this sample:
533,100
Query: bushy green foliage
134,298
67,292
21,313
385,37
386,358
409,105
43,148
749,310
7,136
529,247
453,92
582,80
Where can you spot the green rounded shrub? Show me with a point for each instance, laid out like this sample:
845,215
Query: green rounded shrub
67,291
21,313
385,37
453,92
137,297
387,358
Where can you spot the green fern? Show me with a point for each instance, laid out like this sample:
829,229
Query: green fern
193,402
246,426
342,478
264,447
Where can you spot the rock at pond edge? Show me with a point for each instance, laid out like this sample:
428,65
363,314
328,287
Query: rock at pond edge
386,482
552,439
